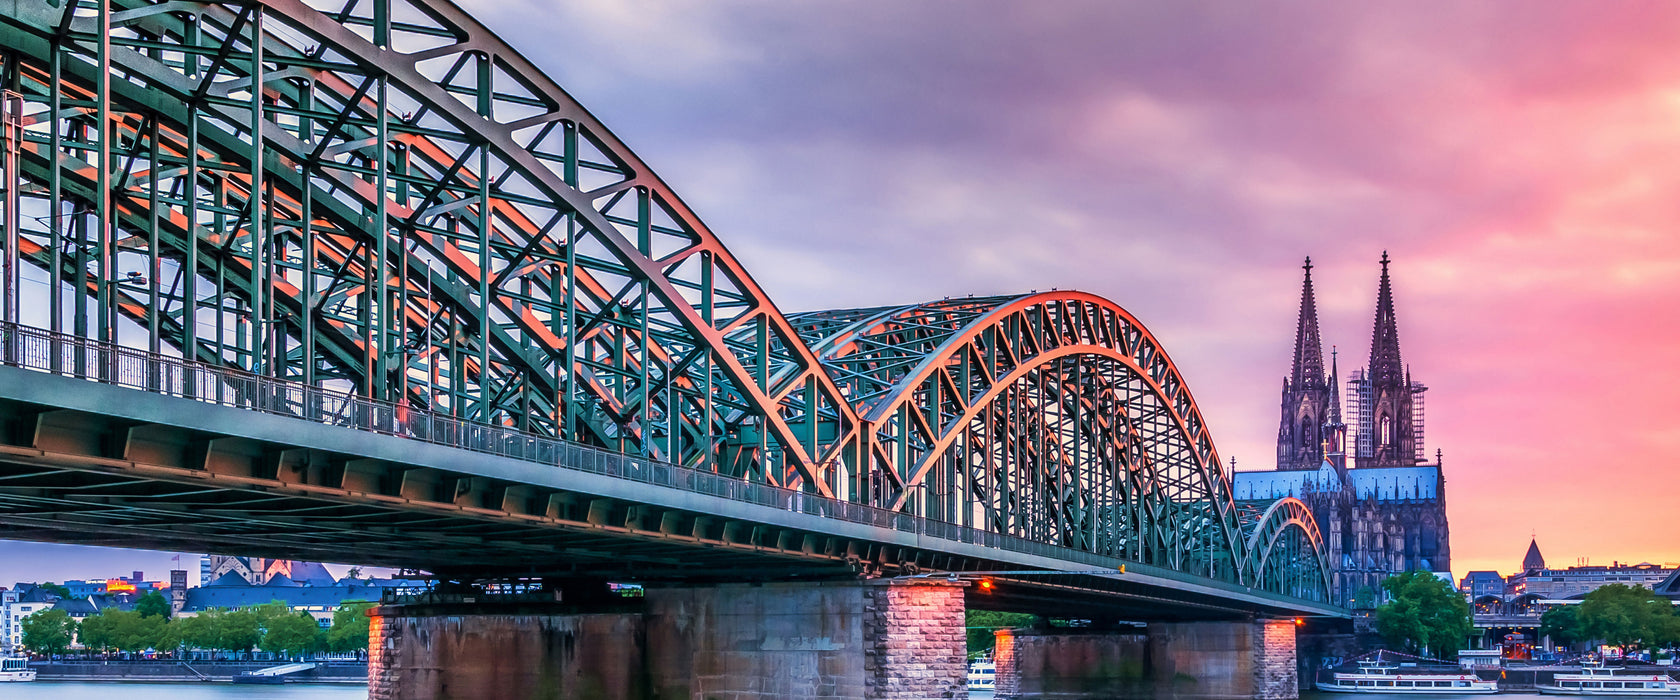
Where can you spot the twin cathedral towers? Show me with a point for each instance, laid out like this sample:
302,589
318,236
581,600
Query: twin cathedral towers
1385,407
1381,506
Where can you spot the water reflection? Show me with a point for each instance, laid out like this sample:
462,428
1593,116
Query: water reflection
68,690
1310,695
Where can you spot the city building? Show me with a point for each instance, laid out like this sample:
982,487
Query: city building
135,583
320,595
1670,587
21,602
257,571
1509,617
8,596
81,608
1479,584
234,593
1573,583
1381,509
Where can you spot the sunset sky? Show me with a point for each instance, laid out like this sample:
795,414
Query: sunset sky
1519,160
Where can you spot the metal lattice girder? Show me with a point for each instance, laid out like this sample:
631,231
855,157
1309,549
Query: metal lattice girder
380,196
434,220
1053,416
1285,549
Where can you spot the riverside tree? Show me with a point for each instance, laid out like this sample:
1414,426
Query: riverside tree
984,624
238,631
219,628
152,605
291,634
48,632
96,632
1627,616
122,630
349,627
1562,623
1424,614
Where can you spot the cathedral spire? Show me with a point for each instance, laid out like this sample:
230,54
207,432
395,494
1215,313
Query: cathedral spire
1385,423
1386,366
1308,369
1335,398
1306,400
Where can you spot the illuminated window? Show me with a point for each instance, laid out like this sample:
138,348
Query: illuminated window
1383,430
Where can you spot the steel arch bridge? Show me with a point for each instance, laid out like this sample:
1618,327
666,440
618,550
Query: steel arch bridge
382,198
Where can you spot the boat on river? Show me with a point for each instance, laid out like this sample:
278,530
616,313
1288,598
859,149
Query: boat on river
982,675
1377,677
15,669
1597,679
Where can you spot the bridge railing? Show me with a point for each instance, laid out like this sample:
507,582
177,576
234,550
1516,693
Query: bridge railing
108,363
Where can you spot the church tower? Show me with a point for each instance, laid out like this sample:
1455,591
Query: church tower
1388,432
1533,562
1308,394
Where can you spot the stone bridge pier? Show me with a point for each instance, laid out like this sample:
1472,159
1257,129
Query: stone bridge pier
886,640
1236,660
843,640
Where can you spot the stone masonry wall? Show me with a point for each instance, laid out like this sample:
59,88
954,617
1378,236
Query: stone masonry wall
756,642
1007,672
917,643
1071,664
383,640
1219,660
442,654
819,641
1275,672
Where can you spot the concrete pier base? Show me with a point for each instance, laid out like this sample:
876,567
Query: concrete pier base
1225,659
880,640
442,652
1192,660
1072,664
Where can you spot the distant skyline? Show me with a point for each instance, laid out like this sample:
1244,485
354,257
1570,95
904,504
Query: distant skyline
1519,160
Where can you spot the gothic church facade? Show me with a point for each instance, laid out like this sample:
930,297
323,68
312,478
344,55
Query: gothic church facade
1381,506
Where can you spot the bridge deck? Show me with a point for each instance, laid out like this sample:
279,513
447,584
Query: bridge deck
102,463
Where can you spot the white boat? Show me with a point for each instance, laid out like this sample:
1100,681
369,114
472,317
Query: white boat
982,675
1377,677
1597,679
15,669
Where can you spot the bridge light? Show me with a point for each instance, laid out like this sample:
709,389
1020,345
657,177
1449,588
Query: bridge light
986,585
1300,621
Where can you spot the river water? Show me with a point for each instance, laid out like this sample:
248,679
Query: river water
55,690
105,690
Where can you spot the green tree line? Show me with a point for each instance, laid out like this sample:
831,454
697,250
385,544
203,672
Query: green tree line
1425,615
1618,615
272,627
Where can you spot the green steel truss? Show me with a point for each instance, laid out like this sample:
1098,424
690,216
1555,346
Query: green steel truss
381,197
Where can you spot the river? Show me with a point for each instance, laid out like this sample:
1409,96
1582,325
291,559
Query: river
65,690
105,690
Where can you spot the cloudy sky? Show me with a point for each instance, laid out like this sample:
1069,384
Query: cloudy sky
1520,161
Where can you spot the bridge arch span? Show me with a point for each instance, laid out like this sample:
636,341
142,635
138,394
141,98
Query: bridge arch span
1285,550
422,216
383,197
1055,416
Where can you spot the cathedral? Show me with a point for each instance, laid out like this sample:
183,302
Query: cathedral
1380,505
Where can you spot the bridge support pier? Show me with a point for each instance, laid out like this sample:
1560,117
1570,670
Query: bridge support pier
876,640
1213,660
470,648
